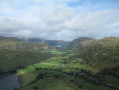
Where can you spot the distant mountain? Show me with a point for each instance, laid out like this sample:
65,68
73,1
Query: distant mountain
77,42
17,44
9,39
32,39
49,42
100,53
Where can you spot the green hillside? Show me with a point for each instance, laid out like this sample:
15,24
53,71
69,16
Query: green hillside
76,42
15,54
9,39
17,44
25,46
11,60
100,53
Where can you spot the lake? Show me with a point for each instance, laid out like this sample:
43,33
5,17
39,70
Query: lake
9,81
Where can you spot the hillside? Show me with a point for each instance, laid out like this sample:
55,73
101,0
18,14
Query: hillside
18,44
100,53
25,46
76,42
9,39
15,54
11,60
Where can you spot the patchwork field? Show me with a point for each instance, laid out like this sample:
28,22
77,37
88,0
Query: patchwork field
54,74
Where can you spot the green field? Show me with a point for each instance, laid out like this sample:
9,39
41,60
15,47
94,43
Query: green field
53,74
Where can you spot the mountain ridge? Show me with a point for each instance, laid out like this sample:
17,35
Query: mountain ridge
99,53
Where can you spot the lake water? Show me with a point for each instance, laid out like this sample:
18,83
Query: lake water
9,81
58,46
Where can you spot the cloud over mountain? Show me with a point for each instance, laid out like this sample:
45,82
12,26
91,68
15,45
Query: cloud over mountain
58,19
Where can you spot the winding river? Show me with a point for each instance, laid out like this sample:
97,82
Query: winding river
9,81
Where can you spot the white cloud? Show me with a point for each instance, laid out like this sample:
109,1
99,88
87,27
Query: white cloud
53,19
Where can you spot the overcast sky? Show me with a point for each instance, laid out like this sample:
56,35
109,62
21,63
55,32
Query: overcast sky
59,19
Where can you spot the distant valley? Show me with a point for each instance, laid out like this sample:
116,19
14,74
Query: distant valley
83,64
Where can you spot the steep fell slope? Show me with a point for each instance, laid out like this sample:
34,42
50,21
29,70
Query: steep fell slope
76,42
100,53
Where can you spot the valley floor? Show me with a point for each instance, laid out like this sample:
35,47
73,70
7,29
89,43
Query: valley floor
58,73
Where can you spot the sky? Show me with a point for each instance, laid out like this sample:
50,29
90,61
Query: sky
59,19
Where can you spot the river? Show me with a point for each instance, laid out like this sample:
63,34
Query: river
9,81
